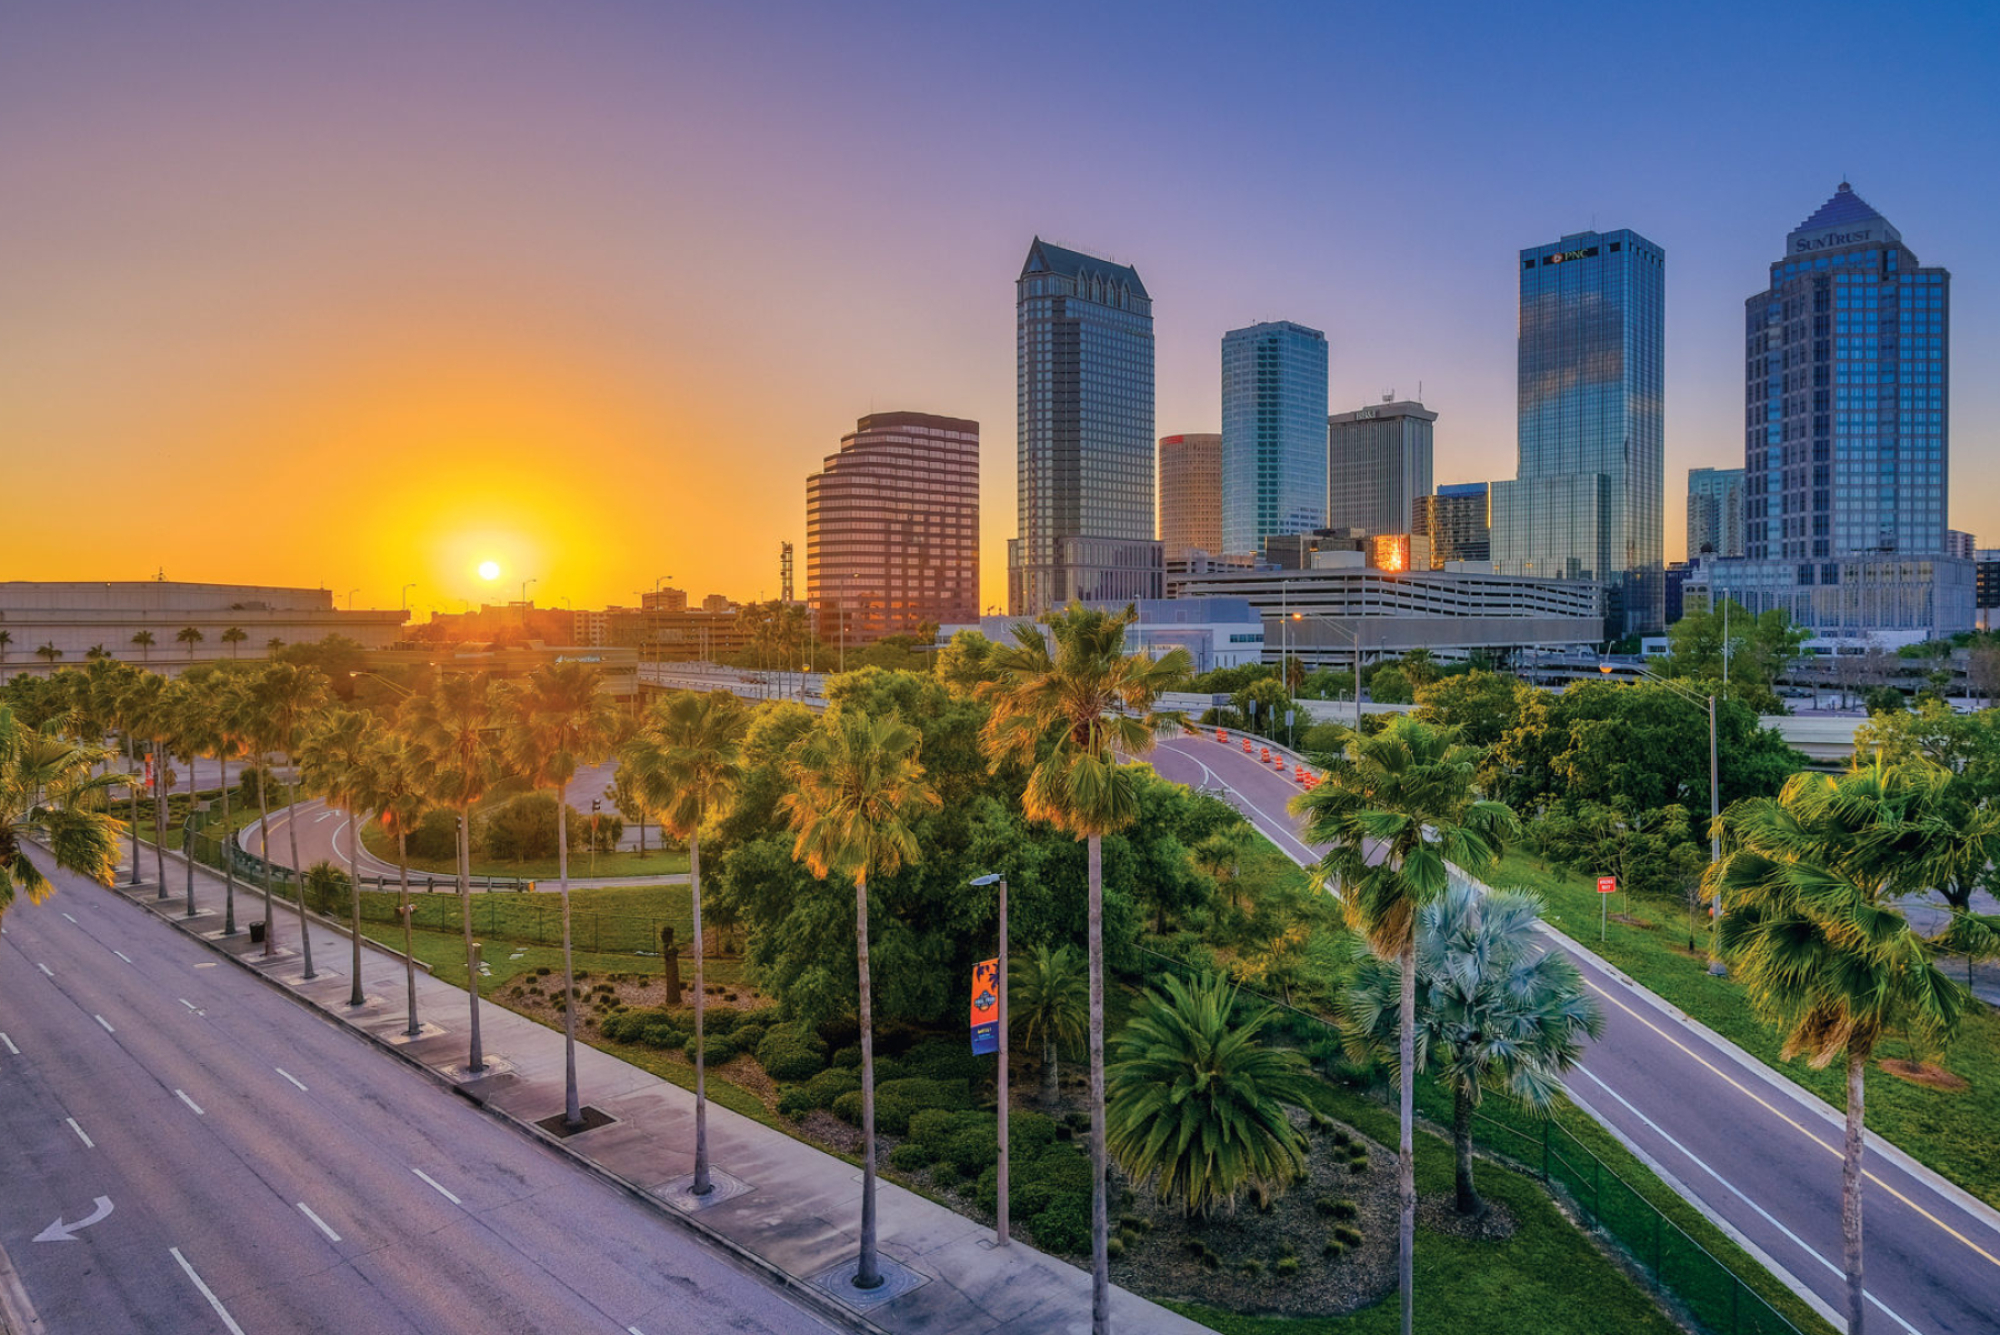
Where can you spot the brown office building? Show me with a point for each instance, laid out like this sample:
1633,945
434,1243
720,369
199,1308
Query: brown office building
1190,488
892,527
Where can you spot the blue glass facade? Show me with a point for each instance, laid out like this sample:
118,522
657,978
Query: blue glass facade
1273,434
1084,386
1587,501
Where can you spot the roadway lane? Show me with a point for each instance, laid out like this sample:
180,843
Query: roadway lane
252,1152
1753,1150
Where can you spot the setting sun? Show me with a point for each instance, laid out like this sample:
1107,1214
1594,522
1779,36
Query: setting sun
489,570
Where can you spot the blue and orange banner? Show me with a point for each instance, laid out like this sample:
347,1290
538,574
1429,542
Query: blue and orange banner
986,1006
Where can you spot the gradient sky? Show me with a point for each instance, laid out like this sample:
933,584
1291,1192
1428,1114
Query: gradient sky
358,294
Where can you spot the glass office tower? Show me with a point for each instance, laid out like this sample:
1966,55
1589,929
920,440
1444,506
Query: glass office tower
1273,434
1715,512
1586,502
1084,396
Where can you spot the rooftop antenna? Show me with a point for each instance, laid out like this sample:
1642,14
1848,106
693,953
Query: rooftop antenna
1388,396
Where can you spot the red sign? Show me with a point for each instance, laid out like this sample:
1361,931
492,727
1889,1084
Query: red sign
1608,885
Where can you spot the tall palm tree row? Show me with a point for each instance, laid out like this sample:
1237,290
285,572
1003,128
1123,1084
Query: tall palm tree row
1397,809
856,783
334,762
399,795
1812,929
1069,706
562,720
285,698
150,713
685,764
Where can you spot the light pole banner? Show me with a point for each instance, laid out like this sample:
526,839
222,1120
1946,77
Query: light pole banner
986,1007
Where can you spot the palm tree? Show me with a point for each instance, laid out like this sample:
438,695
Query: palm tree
1048,1000
48,794
209,723
272,645
190,636
6,639
1396,808
149,712
96,653
1067,704
144,641
115,689
1198,1100
685,763
188,699
334,762
399,795
456,725
48,653
234,636
1494,1011
561,720
287,700
855,783
1221,855
1812,929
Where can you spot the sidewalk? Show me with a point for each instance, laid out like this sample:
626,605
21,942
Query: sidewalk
790,1210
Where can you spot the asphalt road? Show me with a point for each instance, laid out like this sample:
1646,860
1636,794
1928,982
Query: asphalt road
1758,1154
253,1170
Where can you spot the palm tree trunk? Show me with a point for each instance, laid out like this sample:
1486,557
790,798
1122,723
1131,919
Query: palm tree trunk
409,956
476,1058
160,818
264,850
1051,1081
1406,1162
187,834
1469,1203
354,877
1100,1212
572,1108
132,750
1850,1191
702,1185
228,863
869,1273
298,872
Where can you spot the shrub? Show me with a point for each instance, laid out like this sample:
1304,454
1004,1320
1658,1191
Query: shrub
1326,1205
933,1127
747,1037
1346,1210
848,1058
717,1049
1333,1247
1064,1168
909,1156
1347,1236
1250,1267
525,828
717,1019
1114,1246
1357,1166
945,1059
1028,1199
791,1052
1064,1226
326,888
973,1147
1029,1133
1286,1265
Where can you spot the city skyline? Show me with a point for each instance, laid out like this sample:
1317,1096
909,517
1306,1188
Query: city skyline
421,321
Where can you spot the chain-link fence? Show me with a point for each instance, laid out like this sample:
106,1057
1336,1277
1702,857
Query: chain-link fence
1716,1297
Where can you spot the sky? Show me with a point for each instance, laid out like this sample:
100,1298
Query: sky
361,295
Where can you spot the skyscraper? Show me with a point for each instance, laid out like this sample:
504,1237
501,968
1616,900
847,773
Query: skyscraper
1714,512
1455,520
1084,387
1190,481
1273,433
1378,462
892,527
1586,500
1847,449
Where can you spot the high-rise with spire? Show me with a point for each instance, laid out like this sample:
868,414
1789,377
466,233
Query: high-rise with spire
1084,387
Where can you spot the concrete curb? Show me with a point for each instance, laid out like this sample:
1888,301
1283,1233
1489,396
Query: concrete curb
813,1299
17,1314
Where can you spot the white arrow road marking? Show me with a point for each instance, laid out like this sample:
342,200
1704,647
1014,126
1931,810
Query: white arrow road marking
72,919
207,1293
45,968
10,1045
122,955
106,1023
61,1232
88,1143
434,1183
288,1075
307,1211
189,1102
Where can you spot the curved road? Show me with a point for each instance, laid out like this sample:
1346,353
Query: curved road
1753,1151
244,1166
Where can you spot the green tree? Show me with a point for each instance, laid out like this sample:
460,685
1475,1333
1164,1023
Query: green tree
1756,650
1397,811
48,794
966,663
1048,1002
1198,1101
1221,855
686,763
1481,705
334,762
1809,884
630,804
288,701
1068,704
190,636
1389,684
561,719
457,727
1495,1009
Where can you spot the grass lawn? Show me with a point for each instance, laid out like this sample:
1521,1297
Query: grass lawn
617,921
626,862
1950,1132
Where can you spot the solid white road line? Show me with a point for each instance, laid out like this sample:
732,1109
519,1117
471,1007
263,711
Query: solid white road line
185,1002
106,1023
10,1045
45,968
122,955
88,1143
435,1185
307,1211
288,1075
207,1293
72,919
182,1095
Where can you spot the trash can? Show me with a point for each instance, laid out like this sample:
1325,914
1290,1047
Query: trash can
256,933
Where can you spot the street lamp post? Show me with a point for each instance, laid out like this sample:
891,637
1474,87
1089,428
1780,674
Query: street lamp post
406,596
1000,1219
1354,635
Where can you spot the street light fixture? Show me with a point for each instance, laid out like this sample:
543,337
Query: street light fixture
1699,701
406,595
1000,1218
